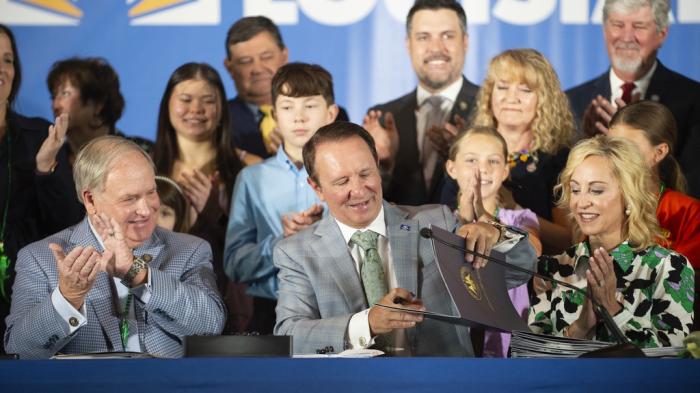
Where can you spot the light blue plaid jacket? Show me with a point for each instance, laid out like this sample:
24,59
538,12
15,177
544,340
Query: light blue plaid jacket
184,299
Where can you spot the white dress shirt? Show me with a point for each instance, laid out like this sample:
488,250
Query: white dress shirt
449,94
640,86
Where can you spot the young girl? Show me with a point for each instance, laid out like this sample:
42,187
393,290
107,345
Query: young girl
652,128
478,163
174,207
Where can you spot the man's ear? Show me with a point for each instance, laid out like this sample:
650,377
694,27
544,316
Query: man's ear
316,187
89,202
228,64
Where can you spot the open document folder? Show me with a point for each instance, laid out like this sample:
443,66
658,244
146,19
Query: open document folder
480,296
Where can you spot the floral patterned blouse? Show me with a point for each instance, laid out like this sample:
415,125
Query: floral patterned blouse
655,286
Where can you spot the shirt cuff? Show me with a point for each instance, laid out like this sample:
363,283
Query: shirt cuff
145,291
358,330
511,237
71,318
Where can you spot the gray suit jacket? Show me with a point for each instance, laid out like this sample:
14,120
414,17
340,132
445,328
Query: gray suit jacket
320,289
184,299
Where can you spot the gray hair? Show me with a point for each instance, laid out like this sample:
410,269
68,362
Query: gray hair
95,160
659,9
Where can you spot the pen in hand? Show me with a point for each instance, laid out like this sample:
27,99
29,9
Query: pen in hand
402,301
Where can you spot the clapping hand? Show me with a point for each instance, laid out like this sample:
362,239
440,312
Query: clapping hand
46,156
117,257
386,138
442,137
197,187
76,272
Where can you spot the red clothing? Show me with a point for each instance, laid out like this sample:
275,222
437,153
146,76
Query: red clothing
679,217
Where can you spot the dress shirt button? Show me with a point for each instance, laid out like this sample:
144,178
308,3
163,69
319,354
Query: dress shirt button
73,321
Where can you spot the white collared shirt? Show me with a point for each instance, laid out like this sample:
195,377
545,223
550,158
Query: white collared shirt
640,88
449,94
358,328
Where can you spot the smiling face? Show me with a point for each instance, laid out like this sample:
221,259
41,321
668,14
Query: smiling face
7,68
252,64
483,153
514,104
194,109
298,118
596,200
437,46
129,197
632,40
348,181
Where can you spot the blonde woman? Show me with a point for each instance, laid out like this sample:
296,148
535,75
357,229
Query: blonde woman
647,289
521,97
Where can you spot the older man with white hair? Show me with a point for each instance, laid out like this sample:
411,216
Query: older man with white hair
113,282
634,32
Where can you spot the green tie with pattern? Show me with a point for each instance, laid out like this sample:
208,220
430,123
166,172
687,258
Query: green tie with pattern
371,270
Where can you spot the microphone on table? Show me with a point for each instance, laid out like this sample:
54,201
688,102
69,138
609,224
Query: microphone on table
624,347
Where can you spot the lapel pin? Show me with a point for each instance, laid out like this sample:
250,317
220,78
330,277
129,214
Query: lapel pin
405,227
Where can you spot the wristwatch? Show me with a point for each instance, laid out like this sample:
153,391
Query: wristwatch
139,264
501,228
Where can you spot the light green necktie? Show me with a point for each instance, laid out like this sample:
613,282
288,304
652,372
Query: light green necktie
371,270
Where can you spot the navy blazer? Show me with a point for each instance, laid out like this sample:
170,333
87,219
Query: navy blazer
406,185
680,94
246,129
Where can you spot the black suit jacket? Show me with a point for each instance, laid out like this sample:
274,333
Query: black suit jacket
246,130
405,185
681,96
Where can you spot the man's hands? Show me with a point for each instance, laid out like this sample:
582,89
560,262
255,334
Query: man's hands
386,139
480,237
46,156
295,222
383,320
598,114
442,137
76,272
117,257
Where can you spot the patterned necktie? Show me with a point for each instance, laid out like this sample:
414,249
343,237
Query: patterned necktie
371,270
267,124
627,89
435,117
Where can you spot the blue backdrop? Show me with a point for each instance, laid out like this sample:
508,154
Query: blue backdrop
361,42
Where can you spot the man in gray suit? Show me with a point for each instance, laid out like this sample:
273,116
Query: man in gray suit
113,282
325,294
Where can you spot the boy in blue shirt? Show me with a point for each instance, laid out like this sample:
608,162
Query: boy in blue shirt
272,200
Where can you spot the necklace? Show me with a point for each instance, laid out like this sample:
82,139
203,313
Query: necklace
4,259
124,321
526,157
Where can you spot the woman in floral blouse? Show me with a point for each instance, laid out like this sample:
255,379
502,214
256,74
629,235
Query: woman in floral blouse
648,289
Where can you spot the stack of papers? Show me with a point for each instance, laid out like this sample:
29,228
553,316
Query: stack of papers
103,355
348,353
533,345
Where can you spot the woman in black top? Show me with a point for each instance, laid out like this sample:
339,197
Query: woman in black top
37,195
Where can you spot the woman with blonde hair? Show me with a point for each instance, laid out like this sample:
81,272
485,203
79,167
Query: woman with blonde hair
652,128
647,289
521,97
